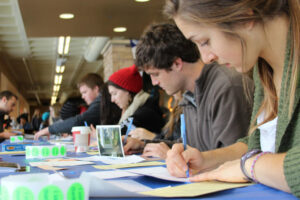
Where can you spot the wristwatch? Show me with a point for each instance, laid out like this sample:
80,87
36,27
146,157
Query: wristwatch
245,157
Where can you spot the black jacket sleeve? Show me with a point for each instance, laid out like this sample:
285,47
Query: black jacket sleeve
91,116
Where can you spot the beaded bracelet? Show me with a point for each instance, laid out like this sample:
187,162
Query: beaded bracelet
244,158
253,164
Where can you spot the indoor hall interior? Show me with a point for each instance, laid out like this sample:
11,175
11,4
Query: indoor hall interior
47,46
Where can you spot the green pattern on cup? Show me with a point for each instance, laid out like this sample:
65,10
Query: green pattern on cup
12,139
23,193
75,192
35,151
4,195
20,138
62,150
45,152
55,151
51,192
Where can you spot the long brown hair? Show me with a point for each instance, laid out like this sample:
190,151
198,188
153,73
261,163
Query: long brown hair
228,13
173,119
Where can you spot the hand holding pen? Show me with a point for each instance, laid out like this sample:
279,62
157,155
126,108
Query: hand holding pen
183,136
179,161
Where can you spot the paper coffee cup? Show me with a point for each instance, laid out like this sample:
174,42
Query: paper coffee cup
81,138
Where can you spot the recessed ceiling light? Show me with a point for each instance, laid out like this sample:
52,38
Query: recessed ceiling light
66,16
120,29
142,0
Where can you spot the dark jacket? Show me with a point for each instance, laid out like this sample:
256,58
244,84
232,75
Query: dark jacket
36,122
148,116
91,116
1,124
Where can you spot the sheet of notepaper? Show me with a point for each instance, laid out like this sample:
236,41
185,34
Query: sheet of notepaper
157,172
194,189
117,166
114,160
60,163
112,174
130,185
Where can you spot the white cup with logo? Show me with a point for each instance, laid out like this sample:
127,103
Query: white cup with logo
81,138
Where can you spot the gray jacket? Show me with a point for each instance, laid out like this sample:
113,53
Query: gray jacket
218,113
91,116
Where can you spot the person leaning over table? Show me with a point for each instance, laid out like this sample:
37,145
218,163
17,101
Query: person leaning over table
263,35
215,107
89,87
125,88
157,145
8,102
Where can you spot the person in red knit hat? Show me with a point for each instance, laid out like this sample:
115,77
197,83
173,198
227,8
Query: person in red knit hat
125,87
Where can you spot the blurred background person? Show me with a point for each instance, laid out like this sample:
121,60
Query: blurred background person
24,124
45,120
36,119
157,145
54,113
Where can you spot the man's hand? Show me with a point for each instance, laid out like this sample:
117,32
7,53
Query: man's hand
141,133
133,145
156,150
42,132
6,135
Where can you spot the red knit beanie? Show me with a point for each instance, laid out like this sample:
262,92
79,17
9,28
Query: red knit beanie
128,78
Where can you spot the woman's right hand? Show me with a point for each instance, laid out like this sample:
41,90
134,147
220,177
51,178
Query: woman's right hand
179,161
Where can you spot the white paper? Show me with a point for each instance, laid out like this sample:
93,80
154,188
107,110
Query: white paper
157,172
114,160
102,188
60,163
112,174
11,169
130,185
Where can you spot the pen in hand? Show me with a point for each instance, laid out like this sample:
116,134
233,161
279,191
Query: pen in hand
183,136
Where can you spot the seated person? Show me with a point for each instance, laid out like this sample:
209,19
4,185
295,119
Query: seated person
125,87
24,124
54,113
71,107
157,145
45,120
36,119
8,102
89,87
215,107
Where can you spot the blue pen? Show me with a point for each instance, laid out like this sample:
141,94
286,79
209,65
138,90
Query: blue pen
128,129
183,136
85,123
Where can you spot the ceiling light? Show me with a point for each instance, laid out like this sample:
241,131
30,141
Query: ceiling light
56,88
61,41
57,79
60,69
66,16
63,45
142,0
120,29
53,100
54,94
67,45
